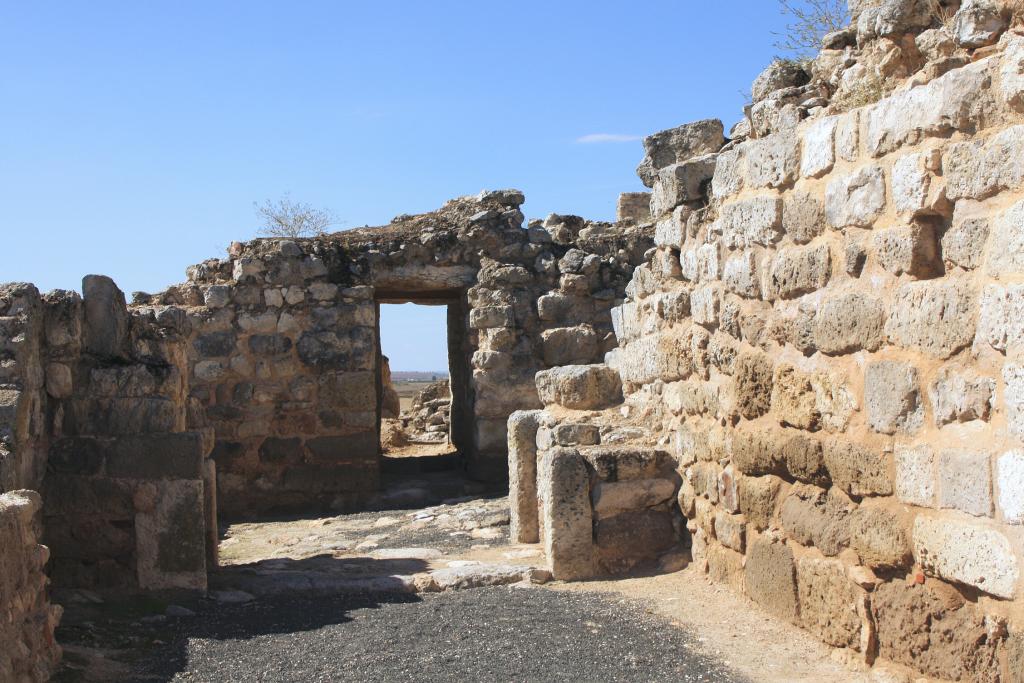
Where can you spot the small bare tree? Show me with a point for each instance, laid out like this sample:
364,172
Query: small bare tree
810,21
287,218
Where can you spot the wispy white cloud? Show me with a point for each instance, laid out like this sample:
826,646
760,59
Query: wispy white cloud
602,138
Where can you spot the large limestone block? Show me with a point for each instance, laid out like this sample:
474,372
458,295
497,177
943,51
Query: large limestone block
960,395
756,220
978,23
681,183
1011,72
915,190
729,172
753,374
892,397
1013,398
803,216
758,498
915,475
1001,317
857,469
633,206
912,249
613,498
884,18
930,627
106,316
982,168
964,242
741,274
957,101
770,578
880,538
849,322
819,152
1006,243
798,270
569,345
679,144
563,484
581,387
829,602
934,317
966,552
857,199
811,516
522,475
965,481
171,538
1010,480
773,161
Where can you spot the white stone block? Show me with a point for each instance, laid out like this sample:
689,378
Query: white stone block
818,149
1010,480
857,199
965,481
1013,398
915,475
966,552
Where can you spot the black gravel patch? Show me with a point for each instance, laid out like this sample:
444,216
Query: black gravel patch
489,634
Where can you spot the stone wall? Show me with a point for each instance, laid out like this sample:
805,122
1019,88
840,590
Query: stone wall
827,341
27,619
283,339
22,423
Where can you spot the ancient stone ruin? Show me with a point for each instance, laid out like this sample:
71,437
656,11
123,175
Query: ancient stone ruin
798,357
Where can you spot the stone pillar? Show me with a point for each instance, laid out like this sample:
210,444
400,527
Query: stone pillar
522,475
566,521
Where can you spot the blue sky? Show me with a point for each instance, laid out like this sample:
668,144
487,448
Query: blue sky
136,136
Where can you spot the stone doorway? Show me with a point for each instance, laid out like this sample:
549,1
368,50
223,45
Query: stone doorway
424,419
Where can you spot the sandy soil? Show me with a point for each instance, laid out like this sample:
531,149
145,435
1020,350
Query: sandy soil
732,628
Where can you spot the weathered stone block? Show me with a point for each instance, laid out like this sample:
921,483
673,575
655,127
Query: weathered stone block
798,270
731,530
793,399
756,220
613,498
770,578
630,538
812,516
964,243
729,172
569,345
633,206
892,397
758,497
849,322
772,161
582,387
1001,316
856,469
965,481
983,168
803,216
961,395
682,182
966,552
757,452
706,304
1006,244
563,485
856,200
912,249
679,144
928,627
522,474
106,316
1010,481
1013,398
171,539
818,149
828,602
915,475
880,538
958,100
752,377
485,317
937,318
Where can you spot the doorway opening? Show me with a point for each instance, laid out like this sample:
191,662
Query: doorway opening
416,397
424,405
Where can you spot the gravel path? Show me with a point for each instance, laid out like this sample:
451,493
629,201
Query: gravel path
491,634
